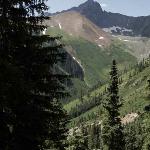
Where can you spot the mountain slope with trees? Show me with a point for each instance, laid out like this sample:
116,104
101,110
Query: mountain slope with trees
102,113
88,111
94,60
133,85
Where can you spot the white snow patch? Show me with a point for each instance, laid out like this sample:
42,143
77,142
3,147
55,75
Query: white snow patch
116,29
103,5
60,26
101,38
77,62
44,31
126,40
100,45
127,30
80,65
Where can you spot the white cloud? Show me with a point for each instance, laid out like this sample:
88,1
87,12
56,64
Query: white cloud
104,5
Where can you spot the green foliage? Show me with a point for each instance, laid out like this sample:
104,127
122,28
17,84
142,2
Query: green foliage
85,137
146,124
133,90
58,130
113,138
133,136
31,80
96,61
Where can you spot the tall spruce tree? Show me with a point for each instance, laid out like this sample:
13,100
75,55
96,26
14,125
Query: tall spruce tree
30,80
113,138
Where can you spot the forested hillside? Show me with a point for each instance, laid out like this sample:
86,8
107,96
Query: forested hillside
73,81
95,60
88,111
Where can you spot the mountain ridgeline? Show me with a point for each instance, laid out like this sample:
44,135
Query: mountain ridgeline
105,105
86,38
84,30
120,24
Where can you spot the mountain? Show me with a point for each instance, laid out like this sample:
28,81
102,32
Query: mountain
88,109
134,92
114,22
138,46
90,48
89,21
88,33
92,58
75,24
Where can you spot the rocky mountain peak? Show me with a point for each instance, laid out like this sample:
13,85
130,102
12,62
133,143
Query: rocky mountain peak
90,9
133,26
91,6
113,22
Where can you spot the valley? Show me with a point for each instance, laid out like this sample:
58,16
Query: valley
93,48
93,40
75,76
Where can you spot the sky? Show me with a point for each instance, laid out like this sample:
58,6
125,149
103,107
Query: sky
126,7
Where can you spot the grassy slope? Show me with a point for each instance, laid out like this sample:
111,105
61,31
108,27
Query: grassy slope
96,61
133,91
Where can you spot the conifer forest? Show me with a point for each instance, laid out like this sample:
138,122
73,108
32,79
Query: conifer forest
76,79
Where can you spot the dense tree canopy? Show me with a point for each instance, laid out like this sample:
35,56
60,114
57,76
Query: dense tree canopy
30,78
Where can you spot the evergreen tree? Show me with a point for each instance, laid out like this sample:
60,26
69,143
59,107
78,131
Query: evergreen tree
30,78
58,132
113,138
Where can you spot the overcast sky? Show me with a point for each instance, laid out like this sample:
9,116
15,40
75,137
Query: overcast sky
126,7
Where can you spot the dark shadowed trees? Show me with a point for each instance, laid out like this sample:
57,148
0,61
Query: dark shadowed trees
30,79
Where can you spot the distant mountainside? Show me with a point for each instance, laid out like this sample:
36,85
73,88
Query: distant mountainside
90,51
113,22
134,92
92,60
90,48
75,24
138,46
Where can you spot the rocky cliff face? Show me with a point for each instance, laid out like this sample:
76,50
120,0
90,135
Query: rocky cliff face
73,67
